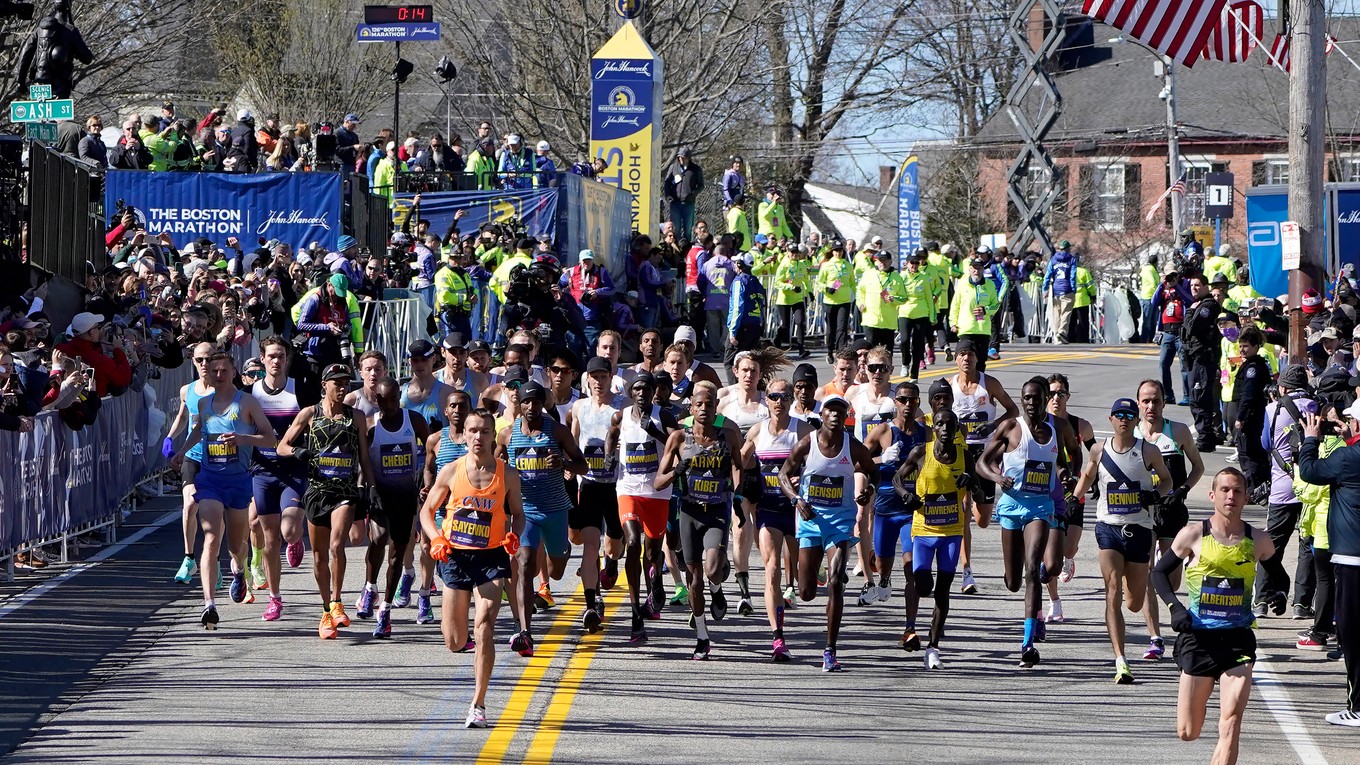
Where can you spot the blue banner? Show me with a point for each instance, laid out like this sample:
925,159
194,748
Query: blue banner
535,208
369,33
1346,230
296,208
598,217
908,211
1267,208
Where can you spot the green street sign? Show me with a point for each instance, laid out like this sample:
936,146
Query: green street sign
40,92
45,132
37,111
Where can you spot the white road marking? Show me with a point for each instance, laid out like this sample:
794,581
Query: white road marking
1281,707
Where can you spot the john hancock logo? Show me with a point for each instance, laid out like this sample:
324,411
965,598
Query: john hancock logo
625,67
298,217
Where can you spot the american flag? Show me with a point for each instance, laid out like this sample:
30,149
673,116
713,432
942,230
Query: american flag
1179,29
1237,32
1176,188
1279,52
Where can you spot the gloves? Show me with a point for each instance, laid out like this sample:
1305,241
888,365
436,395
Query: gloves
752,485
893,453
441,549
511,543
1180,619
167,447
304,454
912,502
985,430
964,481
1177,495
741,515
1149,498
374,501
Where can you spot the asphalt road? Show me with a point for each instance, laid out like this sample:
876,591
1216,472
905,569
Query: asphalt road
107,663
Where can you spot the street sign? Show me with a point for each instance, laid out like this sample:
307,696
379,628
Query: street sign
1291,248
41,131
398,14
37,111
39,92
1218,196
376,33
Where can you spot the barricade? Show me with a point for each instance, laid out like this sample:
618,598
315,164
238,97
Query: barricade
391,325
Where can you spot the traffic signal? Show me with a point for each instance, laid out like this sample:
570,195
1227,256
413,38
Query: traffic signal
21,10
445,70
402,70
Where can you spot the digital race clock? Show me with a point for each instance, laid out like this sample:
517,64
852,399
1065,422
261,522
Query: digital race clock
398,14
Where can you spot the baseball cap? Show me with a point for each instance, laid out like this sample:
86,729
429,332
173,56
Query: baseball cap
1295,377
421,349
84,322
861,345
805,373
244,115
1326,333
747,259
544,146
685,334
835,398
514,139
341,284
599,364
1064,245
884,255
515,372
643,378
1353,411
533,390
479,346
683,151
966,345
877,241
762,239
586,255
336,372
1123,406
351,117
453,340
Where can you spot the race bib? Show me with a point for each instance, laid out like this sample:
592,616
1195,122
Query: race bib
335,464
769,471
826,491
640,459
468,524
396,462
220,453
1038,477
1221,598
941,509
1122,499
704,488
971,422
598,464
532,463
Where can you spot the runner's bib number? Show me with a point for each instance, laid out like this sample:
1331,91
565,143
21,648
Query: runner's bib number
826,491
1038,477
640,459
941,509
220,453
1121,499
396,462
1221,598
769,472
598,465
467,526
335,464
532,463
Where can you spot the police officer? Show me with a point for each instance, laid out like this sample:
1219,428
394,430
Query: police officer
1200,344
454,296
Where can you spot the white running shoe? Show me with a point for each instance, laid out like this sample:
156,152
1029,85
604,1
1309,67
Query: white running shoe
868,594
1346,718
1055,613
933,658
885,593
902,370
967,585
476,717
1069,570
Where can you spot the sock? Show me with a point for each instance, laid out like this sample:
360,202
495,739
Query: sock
256,555
384,606
611,566
714,587
424,592
883,581
274,592
911,627
744,583
779,634
831,646
209,603
370,586
779,620
700,628
1031,629
1043,573
590,598
409,571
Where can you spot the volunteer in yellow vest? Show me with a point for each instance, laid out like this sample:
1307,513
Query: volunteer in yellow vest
1243,293
1316,500
771,219
792,289
454,296
971,309
385,174
1079,328
879,292
1148,282
864,259
1220,264
917,316
523,255
836,283
738,224
938,266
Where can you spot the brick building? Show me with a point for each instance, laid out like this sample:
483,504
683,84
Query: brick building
1110,141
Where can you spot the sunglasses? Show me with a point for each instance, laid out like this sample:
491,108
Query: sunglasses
877,369
776,396
1125,416
560,370
201,359
1059,393
514,384
907,399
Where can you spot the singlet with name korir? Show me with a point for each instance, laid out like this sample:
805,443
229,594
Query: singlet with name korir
1122,476
394,452
705,475
543,489
219,456
828,483
974,410
1033,466
335,443
1220,580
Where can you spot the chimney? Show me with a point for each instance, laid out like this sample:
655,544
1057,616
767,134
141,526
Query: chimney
887,176
1036,26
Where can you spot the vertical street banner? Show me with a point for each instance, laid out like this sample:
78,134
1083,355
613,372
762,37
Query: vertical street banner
908,211
626,81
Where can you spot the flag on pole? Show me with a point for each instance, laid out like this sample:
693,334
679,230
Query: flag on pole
1331,43
1237,32
1279,52
1176,188
1179,29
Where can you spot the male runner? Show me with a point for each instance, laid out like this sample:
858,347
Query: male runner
977,399
1069,516
1023,459
889,443
702,459
539,448
836,475
593,426
1215,640
185,419
1177,446
806,407
278,484
474,516
228,419
1123,467
873,405
335,451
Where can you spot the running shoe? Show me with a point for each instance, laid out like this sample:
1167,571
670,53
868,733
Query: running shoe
1183,402
717,605
1313,642
543,599
788,596
650,609
932,658
821,576
469,645
424,614
885,592
910,640
829,662
403,598
1346,718
274,609
1029,655
744,607
1156,649
209,617
187,567
681,596
238,586
590,620
993,354
1231,458
338,614
868,594
294,554
701,650
599,608
902,370
363,606
1069,570
250,596
1302,612
859,569
968,585
383,629
327,629
476,717
257,575
781,652
1335,655
608,580
1122,674
522,644
1055,612
638,635
1260,610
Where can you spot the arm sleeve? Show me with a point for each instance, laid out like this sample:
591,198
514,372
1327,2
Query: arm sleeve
734,306
1161,578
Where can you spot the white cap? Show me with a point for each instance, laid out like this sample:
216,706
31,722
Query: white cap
243,115
1224,249
543,146
586,255
684,333
1353,411
877,241
633,294
514,138
391,145
304,258
411,141
83,322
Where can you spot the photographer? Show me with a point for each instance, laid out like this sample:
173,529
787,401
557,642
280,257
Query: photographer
327,319
533,301
455,297
109,361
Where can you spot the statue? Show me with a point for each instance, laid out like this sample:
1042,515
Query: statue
49,53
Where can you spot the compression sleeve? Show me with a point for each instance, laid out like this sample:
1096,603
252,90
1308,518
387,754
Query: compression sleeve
1161,578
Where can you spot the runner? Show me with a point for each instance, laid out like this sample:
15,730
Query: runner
372,370
806,407
930,483
394,436
889,443
769,443
597,510
743,404
228,420
701,458
873,405
278,484
1177,446
327,437
1023,459
562,371
474,513
977,398
1069,514
1123,467
426,396
827,509
185,419
685,370
539,448
1215,642
651,349
642,430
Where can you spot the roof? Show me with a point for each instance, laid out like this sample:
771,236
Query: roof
853,212
1115,93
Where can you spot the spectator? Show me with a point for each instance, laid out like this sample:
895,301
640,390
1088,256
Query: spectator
16,411
377,152
283,158
734,186
592,169
347,141
771,220
91,147
1060,281
268,135
481,165
684,181
112,370
161,144
739,225
719,271
544,168
215,150
129,153
243,156
593,289
516,164
651,290
385,174
438,158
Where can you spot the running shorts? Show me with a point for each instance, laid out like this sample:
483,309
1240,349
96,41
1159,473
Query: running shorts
651,513
273,495
943,552
889,532
233,491
1015,515
469,569
826,529
320,503
188,471
702,527
548,531
597,508
1132,542
1210,653
396,511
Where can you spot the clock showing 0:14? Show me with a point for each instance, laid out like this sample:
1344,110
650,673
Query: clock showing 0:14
398,14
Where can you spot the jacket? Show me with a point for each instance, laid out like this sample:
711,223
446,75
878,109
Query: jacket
453,288
738,224
305,312
920,290
482,168
1148,281
836,281
1086,288
683,182
577,281
500,278
746,306
162,149
92,149
879,294
1316,499
1061,274
969,296
1275,436
112,374
771,220
244,148
1249,390
385,178
1217,264
1199,333
792,284
733,186
1340,471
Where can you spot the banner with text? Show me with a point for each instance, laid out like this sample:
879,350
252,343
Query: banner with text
296,208
626,87
535,208
908,211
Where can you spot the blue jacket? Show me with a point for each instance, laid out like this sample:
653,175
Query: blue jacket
747,303
1341,471
1061,274
997,272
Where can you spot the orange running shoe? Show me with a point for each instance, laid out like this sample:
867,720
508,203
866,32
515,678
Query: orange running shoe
338,614
327,629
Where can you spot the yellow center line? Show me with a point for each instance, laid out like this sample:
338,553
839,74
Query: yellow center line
555,717
503,732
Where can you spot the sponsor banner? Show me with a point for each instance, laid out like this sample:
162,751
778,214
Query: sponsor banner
908,211
625,120
536,208
598,218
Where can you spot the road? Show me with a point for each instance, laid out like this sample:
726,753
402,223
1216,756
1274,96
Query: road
106,663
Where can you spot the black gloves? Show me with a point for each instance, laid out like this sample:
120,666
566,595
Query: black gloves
1149,498
964,481
1180,619
304,454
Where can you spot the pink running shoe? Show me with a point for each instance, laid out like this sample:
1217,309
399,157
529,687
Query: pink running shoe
274,610
781,651
295,553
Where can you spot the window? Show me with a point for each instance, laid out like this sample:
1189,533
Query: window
1108,199
1192,205
1350,169
1277,171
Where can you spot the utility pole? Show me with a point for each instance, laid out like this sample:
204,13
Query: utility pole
1173,142
1307,80
396,104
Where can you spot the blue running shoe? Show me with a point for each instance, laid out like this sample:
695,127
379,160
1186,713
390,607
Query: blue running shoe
238,586
187,567
363,607
383,629
829,662
403,598
424,614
